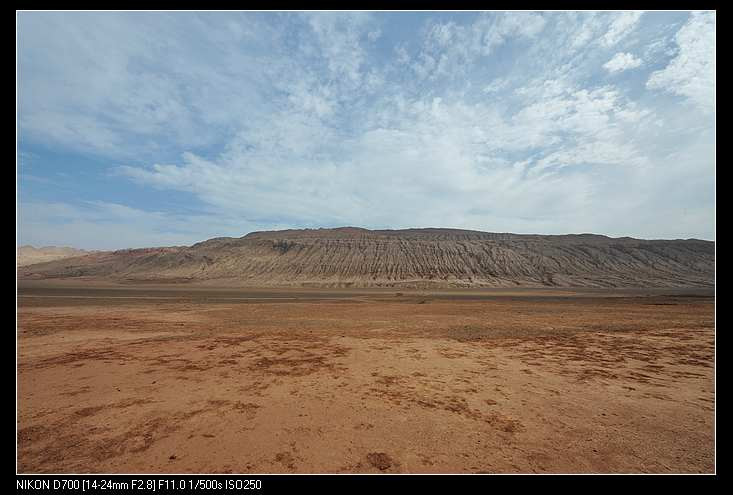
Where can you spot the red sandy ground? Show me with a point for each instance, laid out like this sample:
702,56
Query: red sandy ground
369,383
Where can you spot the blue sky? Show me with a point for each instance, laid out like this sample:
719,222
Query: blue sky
147,129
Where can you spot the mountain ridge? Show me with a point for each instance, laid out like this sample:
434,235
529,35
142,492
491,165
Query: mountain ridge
29,255
428,257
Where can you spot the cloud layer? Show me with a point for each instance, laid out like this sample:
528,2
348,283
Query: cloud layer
621,62
521,122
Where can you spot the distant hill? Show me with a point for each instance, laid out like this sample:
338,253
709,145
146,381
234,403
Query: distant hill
355,257
29,255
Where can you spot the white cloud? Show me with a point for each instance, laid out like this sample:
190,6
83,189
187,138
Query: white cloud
403,57
305,120
621,62
339,38
692,72
586,29
519,25
496,86
113,83
374,35
450,48
622,25
432,148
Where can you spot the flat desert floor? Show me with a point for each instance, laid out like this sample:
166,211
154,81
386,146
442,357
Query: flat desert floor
153,379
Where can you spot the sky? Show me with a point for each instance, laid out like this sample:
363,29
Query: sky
141,129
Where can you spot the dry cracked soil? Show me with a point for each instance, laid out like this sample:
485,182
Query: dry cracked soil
178,380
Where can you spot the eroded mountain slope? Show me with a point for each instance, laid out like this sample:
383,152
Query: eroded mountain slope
414,257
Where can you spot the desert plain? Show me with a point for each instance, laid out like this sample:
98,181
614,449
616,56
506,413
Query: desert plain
145,378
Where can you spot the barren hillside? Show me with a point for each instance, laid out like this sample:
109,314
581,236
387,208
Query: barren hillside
29,255
404,258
